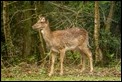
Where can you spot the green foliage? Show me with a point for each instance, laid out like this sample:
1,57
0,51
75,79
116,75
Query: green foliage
73,57
110,45
117,15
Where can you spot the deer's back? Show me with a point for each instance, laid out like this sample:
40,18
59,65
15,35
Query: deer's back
70,34
68,38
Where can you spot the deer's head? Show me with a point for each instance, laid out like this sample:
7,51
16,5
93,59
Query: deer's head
41,23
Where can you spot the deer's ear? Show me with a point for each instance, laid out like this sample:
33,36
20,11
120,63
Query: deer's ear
47,21
40,16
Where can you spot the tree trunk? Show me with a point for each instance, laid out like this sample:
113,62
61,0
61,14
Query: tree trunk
27,32
109,18
7,31
98,53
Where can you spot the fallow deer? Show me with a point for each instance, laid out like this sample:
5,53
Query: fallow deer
62,40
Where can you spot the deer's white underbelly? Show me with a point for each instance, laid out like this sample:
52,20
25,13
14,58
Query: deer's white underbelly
70,47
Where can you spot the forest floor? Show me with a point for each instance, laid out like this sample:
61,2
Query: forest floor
27,72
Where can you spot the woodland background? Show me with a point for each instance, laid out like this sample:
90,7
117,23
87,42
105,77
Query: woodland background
20,43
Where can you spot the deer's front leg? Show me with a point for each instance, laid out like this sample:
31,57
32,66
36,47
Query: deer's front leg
83,62
62,54
52,63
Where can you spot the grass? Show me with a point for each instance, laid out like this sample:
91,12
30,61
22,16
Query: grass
62,78
26,72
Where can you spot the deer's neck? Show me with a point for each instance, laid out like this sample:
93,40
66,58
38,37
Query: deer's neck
46,32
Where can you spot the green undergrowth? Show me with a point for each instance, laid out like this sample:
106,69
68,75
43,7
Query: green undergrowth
27,72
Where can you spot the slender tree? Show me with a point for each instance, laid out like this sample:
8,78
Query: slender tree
110,16
27,31
7,31
98,53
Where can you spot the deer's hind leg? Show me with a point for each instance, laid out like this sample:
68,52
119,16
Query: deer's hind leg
88,53
83,61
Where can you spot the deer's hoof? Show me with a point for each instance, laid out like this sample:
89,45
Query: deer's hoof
61,73
91,72
50,74
82,70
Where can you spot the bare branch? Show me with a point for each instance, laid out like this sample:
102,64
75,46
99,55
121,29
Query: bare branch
18,12
104,18
114,20
32,16
64,7
11,3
